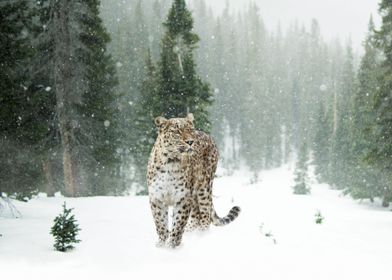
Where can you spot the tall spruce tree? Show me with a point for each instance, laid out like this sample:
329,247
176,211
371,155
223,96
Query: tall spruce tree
173,87
256,100
366,180
381,154
180,87
43,87
341,156
21,108
144,132
322,144
97,132
74,44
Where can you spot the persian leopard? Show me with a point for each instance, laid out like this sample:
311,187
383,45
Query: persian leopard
180,172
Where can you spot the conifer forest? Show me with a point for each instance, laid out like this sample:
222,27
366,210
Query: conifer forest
82,81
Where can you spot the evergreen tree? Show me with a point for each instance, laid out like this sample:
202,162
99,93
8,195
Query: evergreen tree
172,88
144,131
322,144
22,112
97,133
180,88
366,181
341,156
381,154
65,230
254,132
301,172
74,41
43,88
15,50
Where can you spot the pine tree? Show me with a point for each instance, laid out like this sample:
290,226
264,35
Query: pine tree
144,131
381,154
22,110
80,74
180,88
43,92
15,50
97,109
172,87
256,102
301,172
341,156
65,230
322,144
366,181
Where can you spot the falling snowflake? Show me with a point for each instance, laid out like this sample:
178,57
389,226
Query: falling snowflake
106,123
323,87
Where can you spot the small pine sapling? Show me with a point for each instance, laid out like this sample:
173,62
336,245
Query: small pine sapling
319,217
65,230
301,172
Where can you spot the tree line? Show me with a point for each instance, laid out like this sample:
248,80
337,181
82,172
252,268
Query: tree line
58,104
267,96
353,151
63,122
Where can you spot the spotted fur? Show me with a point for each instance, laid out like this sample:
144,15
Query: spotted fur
180,173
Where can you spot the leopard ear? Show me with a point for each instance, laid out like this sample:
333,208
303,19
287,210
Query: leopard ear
190,117
160,121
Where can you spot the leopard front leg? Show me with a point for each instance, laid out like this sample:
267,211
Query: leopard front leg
160,214
193,222
181,211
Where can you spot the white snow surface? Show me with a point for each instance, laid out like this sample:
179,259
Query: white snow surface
118,237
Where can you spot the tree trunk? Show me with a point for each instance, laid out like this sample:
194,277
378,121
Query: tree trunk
63,85
234,149
49,186
385,202
387,198
335,112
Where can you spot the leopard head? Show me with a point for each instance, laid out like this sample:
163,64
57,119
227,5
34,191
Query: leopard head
176,136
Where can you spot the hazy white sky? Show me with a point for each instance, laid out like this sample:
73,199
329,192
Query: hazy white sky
341,18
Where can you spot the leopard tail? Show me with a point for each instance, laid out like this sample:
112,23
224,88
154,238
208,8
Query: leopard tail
233,214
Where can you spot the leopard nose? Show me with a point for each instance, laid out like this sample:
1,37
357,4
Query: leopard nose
189,142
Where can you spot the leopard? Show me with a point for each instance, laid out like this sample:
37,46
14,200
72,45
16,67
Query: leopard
180,175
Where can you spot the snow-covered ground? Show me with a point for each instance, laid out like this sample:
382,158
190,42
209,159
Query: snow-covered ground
118,237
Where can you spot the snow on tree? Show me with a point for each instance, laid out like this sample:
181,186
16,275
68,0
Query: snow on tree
8,209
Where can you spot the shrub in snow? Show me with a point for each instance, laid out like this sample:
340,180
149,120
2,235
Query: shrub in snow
65,230
301,172
319,217
7,209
